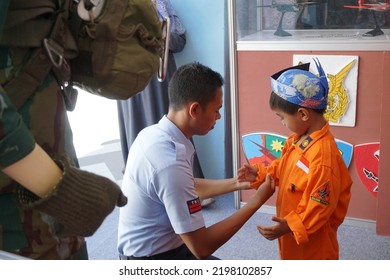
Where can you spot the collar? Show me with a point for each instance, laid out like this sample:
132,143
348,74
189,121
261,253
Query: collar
312,138
175,133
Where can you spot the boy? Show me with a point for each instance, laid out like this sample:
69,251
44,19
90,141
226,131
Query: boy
314,183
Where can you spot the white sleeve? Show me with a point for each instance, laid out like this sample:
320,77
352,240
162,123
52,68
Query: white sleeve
175,187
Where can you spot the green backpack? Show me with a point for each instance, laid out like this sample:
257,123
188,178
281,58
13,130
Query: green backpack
110,48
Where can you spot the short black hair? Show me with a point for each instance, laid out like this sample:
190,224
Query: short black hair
277,102
193,82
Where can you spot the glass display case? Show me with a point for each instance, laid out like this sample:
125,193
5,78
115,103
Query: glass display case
288,24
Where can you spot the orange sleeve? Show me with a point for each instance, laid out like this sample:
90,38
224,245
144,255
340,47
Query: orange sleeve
262,173
317,204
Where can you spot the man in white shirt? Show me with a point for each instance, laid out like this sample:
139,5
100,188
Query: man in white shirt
163,217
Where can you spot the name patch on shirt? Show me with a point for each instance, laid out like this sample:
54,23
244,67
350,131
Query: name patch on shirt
194,205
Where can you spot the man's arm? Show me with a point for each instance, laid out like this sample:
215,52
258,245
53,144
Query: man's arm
207,188
204,241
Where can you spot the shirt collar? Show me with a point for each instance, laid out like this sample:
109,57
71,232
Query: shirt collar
312,138
175,133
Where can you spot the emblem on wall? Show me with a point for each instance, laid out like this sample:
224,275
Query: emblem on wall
366,158
264,147
338,98
342,74
346,151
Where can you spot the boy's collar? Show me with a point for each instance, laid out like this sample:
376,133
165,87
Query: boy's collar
310,139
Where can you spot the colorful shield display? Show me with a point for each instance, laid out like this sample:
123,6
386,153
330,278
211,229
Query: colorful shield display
346,151
366,158
264,147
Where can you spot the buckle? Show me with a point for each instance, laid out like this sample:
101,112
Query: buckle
89,10
162,69
53,49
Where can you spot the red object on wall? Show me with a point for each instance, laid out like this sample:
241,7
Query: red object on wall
366,157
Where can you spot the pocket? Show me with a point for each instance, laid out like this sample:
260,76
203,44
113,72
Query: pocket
294,187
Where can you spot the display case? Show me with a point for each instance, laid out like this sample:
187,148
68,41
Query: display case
267,36
341,24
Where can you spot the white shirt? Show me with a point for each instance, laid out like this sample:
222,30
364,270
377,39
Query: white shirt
159,185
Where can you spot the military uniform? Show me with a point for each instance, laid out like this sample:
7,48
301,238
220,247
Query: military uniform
32,233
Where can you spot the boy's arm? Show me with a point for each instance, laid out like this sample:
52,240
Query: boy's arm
256,174
319,202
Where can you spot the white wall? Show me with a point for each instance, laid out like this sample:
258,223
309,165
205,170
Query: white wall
94,121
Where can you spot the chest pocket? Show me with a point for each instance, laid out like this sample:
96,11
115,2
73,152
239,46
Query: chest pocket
294,184
299,176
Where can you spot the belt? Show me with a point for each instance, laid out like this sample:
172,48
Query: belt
177,253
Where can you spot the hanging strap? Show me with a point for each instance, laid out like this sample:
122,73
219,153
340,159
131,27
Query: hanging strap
54,45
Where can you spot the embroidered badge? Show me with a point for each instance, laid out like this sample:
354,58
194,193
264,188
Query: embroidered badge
322,195
303,164
305,143
194,205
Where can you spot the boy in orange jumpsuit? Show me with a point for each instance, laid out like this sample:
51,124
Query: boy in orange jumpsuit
314,183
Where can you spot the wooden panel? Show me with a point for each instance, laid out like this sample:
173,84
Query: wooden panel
383,212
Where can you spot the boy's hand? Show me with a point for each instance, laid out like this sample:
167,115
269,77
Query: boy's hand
247,173
275,231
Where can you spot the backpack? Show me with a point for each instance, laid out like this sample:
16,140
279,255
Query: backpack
110,48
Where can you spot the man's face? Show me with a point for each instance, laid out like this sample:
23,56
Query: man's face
208,117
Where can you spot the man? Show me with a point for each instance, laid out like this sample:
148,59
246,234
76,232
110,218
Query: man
163,217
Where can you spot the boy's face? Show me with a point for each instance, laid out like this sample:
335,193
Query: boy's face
293,122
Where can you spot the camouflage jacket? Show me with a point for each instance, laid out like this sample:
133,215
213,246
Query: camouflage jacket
31,233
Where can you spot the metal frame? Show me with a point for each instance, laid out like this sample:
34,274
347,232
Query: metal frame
233,94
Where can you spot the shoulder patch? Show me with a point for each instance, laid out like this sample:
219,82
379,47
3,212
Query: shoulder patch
194,205
322,194
305,143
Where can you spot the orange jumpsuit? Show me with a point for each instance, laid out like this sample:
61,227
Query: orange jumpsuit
313,196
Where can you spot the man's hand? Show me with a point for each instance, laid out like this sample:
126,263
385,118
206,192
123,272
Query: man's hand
242,185
247,173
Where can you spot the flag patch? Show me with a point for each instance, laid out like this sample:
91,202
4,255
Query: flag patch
194,205
303,164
